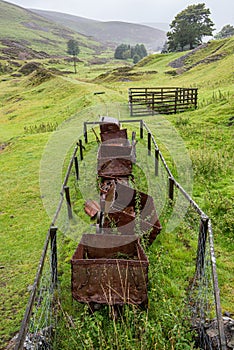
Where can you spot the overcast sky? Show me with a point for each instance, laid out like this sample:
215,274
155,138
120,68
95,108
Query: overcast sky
136,11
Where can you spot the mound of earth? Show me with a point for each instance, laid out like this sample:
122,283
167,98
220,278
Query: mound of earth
18,50
40,76
29,67
180,63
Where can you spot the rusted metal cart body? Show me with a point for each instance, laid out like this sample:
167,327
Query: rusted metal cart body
130,210
110,269
115,155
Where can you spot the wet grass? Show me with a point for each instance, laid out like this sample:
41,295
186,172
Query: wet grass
207,133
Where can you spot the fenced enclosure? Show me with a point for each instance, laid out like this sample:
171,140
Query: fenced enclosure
39,323
164,100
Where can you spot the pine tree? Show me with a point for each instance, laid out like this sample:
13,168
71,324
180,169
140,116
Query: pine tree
188,28
73,50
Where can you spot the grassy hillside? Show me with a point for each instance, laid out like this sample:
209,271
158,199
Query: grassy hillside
29,101
33,31
111,32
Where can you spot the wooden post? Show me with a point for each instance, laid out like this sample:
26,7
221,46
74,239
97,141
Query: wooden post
81,150
149,143
141,129
156,162
76,168
201,247
68,199
152,103
85,133
195,102
176,99
171,188
54,259
130,102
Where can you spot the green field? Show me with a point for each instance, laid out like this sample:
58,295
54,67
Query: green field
31,108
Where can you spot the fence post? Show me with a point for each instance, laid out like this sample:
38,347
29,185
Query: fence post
222,337
85,133
176,99
195,102
76,168
81,150
141,129
156,163
152,103
130,102
54,260
201,247
171,188
68,199
149,143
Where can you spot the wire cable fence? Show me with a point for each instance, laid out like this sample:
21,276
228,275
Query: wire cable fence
204,295
39,323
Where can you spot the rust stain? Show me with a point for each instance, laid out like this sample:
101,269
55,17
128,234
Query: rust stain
92,208
110,269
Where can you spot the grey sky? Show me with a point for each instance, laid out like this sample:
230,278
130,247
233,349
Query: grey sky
136,11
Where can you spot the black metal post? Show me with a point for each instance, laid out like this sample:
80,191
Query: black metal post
68,199
156,160
85,133
54,260
149,143
81,150
171,188
201,247
141,129
76,168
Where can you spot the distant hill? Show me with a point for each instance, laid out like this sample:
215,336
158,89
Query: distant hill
114,32
25,34
158,25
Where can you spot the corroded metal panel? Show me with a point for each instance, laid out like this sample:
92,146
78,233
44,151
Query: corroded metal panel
132,211
109,124
92,208
109,269
114,167
114,135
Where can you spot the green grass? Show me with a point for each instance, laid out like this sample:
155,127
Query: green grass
207,134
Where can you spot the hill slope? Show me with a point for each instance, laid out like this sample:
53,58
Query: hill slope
30,109
113,31
30,30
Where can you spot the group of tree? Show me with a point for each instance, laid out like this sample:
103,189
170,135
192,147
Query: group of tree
190,26
187,30
225,32
125,51
122,52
